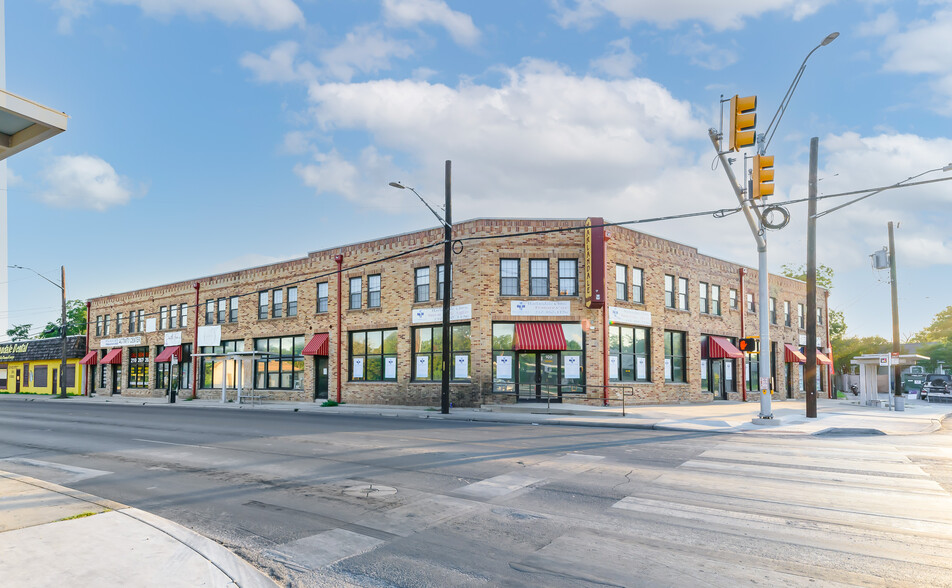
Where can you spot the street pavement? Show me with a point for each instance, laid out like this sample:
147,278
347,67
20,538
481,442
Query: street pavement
54,536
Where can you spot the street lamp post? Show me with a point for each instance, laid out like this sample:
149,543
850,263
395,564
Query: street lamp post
755,218
63,326
447,223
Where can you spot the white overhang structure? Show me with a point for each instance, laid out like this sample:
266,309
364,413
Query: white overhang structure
24,123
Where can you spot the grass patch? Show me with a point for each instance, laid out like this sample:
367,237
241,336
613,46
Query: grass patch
79,516
330,403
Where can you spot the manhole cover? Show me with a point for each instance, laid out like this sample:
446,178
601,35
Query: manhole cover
370,491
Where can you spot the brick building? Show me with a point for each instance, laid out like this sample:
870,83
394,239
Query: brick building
522,328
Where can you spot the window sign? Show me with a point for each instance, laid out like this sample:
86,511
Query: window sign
422,367
667,368
503,367
173,339
747,371
572,367
540,308
613,367
641,364
389,368
729,370
703,369
150,325
209,336
358,368
462,367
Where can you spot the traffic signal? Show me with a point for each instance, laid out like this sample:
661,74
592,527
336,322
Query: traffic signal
749,345
763,176
742,122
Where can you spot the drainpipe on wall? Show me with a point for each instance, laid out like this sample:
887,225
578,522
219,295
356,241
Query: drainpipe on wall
86,368
340,260
195,349
743,314
605,358
826,305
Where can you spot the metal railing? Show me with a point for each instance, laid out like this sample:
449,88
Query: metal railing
550,392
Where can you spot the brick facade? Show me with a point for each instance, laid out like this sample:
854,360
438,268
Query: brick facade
476,282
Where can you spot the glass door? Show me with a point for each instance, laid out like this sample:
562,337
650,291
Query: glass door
549,377
717,379
527,378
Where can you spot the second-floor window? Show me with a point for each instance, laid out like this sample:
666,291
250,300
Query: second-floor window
773,310
222,310
621,282
683,293
373,291
183,311
508,277
421,284
733,298
322,297
118,323
173,316
163,318
99,326
786,313
132,322
538,277
568,277
356,286
232,310
277,303
715,300
439,281
703,300
292,301
751,303
263,305
668,291
637,285
801,316
209,312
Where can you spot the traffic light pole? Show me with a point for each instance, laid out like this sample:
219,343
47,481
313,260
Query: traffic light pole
756,228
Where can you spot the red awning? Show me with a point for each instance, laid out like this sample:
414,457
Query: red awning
318,345
822,359
539,337
89,358
719,348
168,352
792,355
113,357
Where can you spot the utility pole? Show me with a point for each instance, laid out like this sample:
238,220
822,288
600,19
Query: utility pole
809,372
898,403
63,328
447,279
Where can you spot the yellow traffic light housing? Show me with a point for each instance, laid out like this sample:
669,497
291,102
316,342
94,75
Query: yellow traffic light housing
742,122
763,176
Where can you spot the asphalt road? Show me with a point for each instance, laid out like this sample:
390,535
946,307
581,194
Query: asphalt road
319,500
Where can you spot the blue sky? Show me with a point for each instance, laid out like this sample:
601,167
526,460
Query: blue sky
209,135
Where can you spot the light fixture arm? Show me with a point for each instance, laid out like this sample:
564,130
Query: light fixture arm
425,203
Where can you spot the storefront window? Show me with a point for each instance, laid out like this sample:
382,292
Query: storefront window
504,357
283,366
215,368
674,356
373,355
139,367
428,353
629,354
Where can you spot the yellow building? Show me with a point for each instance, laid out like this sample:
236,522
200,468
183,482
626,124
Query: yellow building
33,367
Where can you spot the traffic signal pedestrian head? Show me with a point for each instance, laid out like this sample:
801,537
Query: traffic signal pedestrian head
742,122
749,345
763,176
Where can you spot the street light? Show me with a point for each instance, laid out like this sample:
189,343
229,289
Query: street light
447,278
755,219
63,326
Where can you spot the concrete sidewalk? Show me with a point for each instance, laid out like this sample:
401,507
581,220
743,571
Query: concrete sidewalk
834,417
54,536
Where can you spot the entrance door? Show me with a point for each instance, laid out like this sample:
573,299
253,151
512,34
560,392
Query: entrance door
789,380
538,376
116,375
717,379
55,386
320,376
18,381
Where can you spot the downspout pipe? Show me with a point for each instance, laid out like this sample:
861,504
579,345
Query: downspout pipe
86,368
826,305
340,260
743,333
195,349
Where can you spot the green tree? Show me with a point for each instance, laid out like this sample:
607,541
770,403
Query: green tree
824,274
19,332
75,320
939,330
847,348
936,352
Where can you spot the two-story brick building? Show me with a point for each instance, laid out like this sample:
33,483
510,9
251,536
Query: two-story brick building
361,322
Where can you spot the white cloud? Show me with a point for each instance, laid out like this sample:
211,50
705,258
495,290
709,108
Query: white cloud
720,16
280,64
84,181
544,142
364,50
883,24
408,13
263,14
619,61
703,54
924,48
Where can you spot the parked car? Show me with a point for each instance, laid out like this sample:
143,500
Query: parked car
936,385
